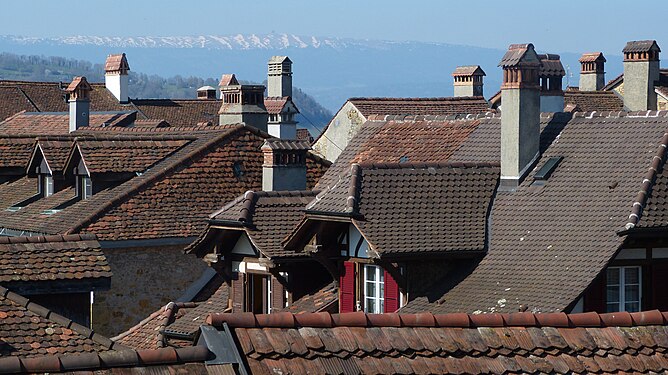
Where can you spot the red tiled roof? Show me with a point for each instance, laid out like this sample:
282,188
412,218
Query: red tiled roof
359,343
50,258
304,135
15,151
55,151
420,106
103,155
116,63
228,80
39,123
29,330
275,105
592,57
12,101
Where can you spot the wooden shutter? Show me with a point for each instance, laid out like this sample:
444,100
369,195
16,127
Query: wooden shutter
391,294
238,292
659,287
347,288
594,298
277,295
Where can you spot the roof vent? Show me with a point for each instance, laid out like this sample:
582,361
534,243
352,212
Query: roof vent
546,170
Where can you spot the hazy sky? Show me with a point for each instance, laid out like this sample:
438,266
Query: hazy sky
551,25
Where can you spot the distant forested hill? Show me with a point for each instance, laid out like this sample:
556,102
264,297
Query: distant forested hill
52,68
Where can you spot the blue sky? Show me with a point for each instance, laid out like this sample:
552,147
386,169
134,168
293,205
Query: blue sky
565,25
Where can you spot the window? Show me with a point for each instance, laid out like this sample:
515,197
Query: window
85,188
373,289
623,289
258,293
45,185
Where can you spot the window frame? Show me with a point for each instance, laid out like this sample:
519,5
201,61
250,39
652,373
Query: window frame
378,289
621,288
45,185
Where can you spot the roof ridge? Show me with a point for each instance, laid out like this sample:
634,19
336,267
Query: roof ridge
417,165
352,201
59,319
621,114
286,193
457,117
48,238
147,178
658,161
463,320
421,99
104,360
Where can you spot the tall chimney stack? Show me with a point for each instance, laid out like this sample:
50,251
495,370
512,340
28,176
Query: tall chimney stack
279,77
79,99
284,166
551,91
592,71
468,80
116,76
520,117
242,103
641,71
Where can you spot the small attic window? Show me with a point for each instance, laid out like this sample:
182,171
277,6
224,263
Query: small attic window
403,159
546,170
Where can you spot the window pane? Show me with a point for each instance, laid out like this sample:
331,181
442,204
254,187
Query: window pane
370,273
612,294
612,307
370,305
631,293
370,290
631,275
632,306
613,276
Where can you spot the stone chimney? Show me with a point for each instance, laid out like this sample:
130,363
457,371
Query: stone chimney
116,76
468,80
592,71
641,71
284,166
279,77
242,103
520,117
551,74
206,93
79,99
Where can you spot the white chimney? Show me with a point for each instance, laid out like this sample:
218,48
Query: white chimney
279,77
79,99
116,76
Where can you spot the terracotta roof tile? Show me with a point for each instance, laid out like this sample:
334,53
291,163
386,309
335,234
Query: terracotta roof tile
324,299
468,70
305,135
640,46
592,57
444,348
275,105
179,112
46,259
15,152
41,123
588,101
120,155
420,106
116,63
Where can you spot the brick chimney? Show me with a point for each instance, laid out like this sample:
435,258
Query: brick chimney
284,166
520,116
592,71
641,71
279,77
206,93
242,103
468,80
551,91
79,99
116,76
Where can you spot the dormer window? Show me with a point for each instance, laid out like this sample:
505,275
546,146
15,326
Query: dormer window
85,188
45,185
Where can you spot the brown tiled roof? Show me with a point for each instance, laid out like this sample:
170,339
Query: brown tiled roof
468,70
420,106
182,317
551,65
434,207
41,123
179,112
592,57
267,217
568,226
29,330
640,46
324,299
16,191
588,101
15,151
275,105
78,83
359,343
151,123
662,90
655,211
55,151
51,258
663,80
122,155
304,135
12,101
515,54
286,144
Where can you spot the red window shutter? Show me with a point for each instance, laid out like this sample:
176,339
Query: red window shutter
659,287
391,294
347,288
594,298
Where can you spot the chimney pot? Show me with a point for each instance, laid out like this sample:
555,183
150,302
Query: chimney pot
206,93
641,71
284,166
551,92
79,101
592,71
279,77
468,80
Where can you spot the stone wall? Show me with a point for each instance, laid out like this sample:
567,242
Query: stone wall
343,127
144,279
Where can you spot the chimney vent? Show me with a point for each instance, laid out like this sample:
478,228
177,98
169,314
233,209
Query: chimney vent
641,71
242,103
279,77
592,71
206,93
468,80
551,91
116,76
79,99
284,165
520,117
